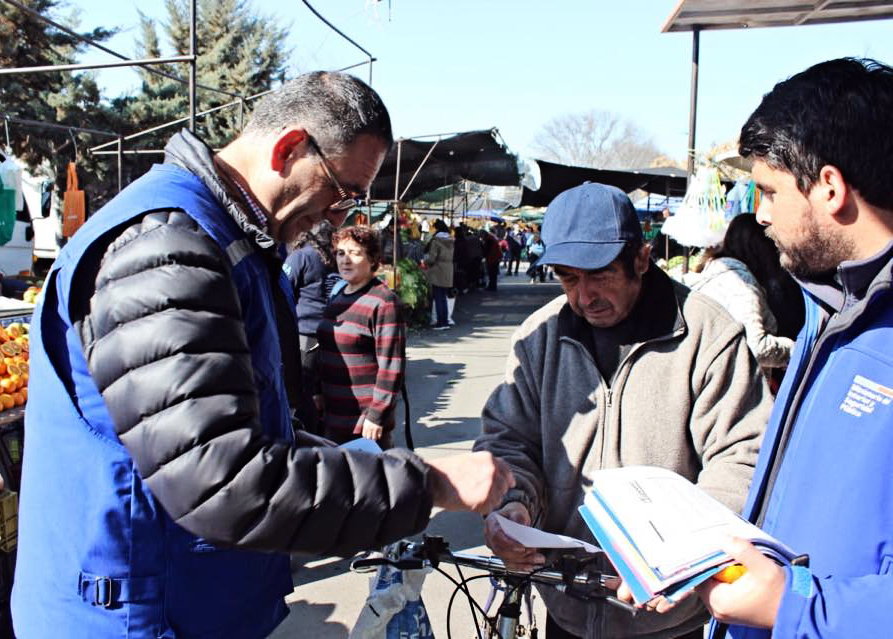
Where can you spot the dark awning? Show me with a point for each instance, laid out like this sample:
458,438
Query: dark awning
477,156
556,178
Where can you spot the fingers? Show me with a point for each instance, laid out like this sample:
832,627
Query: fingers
515,555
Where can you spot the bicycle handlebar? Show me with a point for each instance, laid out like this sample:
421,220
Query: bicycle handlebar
566,575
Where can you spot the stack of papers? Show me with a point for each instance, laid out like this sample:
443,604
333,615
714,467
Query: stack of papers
663,533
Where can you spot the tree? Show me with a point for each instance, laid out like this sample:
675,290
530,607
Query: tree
57,97
598,139
239,52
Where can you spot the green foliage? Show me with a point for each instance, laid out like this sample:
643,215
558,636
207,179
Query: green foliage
413,290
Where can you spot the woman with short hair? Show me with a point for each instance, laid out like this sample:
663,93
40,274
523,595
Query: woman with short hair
362,343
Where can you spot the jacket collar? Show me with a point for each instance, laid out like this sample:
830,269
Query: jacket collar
189,152
655,315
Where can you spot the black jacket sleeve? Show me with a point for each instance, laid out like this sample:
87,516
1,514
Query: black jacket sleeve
166,346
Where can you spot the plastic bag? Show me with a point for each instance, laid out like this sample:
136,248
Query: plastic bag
7,212
701,218
74,207
394,607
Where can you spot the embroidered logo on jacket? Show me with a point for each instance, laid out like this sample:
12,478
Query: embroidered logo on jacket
864,395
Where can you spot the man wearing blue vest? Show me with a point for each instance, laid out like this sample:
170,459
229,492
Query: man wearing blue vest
162,484
822,145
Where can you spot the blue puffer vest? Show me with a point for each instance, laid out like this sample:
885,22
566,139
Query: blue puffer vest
98,556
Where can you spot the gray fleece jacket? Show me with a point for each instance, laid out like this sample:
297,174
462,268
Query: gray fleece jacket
690,398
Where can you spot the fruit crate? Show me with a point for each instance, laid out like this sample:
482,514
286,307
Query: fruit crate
9,520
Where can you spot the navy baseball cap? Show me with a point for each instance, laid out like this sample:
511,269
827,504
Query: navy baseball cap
587,226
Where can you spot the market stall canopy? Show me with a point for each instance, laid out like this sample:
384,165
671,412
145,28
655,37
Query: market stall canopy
556,178
476,155
736,14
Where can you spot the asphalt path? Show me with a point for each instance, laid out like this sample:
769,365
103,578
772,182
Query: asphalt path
450,374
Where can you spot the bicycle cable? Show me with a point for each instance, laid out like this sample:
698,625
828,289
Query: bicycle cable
465,591
474,616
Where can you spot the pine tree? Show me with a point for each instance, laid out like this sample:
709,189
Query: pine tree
239,52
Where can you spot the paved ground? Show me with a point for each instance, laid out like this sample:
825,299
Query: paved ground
449,376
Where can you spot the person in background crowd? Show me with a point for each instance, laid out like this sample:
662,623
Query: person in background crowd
535,250
513,257
312,272
474,258
822,147
387,243
362,344
492,257
162,486
628,367
663,247
439,264
730,277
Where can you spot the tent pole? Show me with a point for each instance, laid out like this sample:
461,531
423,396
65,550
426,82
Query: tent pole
395,213
692,118
193,63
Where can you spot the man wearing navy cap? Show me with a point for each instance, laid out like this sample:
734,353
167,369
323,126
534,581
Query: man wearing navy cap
627,367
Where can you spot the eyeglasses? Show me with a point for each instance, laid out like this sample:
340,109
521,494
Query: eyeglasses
346,201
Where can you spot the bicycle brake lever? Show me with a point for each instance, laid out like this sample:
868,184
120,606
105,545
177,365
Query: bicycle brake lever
368,564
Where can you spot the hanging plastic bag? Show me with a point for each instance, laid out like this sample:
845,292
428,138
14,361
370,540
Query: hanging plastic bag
7,212
394,607
701,218
74,205
11,176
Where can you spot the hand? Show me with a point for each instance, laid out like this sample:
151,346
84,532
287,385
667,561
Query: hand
472,481
372,431
319,403
658,604
752,599
515,555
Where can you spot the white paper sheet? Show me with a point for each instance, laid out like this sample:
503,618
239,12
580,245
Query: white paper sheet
535,538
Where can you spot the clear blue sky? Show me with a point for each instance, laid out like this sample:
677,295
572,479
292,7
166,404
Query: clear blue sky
514,64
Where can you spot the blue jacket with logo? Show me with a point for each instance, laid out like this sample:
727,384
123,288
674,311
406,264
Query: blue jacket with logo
160,474
824,480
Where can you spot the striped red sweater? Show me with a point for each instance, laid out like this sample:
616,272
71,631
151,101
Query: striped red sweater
362,354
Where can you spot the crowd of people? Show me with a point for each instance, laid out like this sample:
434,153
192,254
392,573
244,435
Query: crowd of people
168,370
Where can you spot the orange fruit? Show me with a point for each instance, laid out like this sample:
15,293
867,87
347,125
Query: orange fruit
4,336
10,349
13,369
24,392
17,380
2,368
7,401
18,398
25,378
13,331
7,385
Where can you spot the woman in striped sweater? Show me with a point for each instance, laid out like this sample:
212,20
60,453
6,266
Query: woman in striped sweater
362,344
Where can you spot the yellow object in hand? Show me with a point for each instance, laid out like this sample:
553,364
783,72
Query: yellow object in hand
730,573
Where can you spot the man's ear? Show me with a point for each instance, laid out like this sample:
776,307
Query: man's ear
286,144
830,191
642,258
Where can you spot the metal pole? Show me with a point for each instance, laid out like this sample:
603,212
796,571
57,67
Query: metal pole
95,65
693,108
692,120
120,163
192,65
394,215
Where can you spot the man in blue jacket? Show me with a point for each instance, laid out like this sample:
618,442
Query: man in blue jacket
822,144
162,485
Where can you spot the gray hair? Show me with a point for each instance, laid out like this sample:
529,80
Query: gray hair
335,108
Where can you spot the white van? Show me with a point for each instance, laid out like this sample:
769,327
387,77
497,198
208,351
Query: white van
37,234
